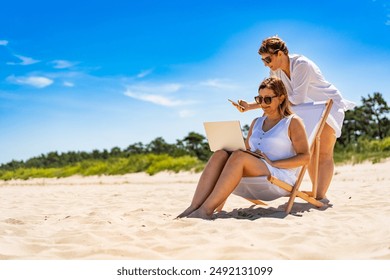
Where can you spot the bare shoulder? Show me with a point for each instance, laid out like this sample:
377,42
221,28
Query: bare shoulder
254,121
251,127
297,126
296,122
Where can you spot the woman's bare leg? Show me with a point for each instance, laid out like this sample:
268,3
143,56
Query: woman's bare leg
207,180
326,163
239,164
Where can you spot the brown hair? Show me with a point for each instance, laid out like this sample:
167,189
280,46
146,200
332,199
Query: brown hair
276,85
273,44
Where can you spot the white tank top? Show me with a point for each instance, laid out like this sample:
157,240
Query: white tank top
275,143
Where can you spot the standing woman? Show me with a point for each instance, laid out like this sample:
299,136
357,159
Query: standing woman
305,83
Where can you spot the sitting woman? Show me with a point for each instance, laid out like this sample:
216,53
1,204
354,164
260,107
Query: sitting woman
278,137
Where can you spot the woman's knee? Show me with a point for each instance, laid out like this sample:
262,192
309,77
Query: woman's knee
237,156
327,141
221,155
326,152
326,158
238,153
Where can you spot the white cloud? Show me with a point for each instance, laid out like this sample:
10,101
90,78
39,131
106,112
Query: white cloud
168,88
34,81
167,94
156,94
156,88
62,64
144,73
3,42
218,83
24,60
68,84
156,99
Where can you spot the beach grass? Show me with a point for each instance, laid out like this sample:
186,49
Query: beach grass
149,163
361,151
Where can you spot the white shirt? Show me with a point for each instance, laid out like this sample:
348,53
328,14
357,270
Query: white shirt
307,84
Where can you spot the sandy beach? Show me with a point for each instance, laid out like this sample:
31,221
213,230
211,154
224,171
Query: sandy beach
133,217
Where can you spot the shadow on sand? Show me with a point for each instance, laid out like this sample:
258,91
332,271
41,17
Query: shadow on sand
254,212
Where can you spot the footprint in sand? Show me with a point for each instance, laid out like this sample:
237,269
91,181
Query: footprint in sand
14,221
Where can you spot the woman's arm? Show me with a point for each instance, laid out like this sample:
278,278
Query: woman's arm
250,134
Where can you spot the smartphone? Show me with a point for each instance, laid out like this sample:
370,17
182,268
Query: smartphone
236,104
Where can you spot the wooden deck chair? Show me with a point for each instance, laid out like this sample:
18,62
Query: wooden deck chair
314,115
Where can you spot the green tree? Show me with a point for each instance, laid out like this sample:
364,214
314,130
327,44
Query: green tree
159,146
353,126
106,155
95,154
115,152
245,130
180,149
196,144
368,121
12,165
136,148
375,110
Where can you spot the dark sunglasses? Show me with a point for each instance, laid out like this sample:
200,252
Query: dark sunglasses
268,59
267,100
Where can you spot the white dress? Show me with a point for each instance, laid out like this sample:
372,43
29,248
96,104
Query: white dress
307,84
276,144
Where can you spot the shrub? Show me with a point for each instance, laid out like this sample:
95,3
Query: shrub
149,163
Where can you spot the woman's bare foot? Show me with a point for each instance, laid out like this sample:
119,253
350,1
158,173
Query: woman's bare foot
186,212
200,214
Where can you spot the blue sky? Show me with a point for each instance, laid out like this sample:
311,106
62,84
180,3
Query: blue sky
84,75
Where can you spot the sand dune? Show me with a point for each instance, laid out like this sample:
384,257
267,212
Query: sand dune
132,217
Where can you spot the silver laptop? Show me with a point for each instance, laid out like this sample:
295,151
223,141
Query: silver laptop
226,135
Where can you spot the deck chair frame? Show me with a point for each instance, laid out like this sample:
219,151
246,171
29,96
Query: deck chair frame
294,191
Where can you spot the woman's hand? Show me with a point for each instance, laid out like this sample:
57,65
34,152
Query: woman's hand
263,156
242,106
